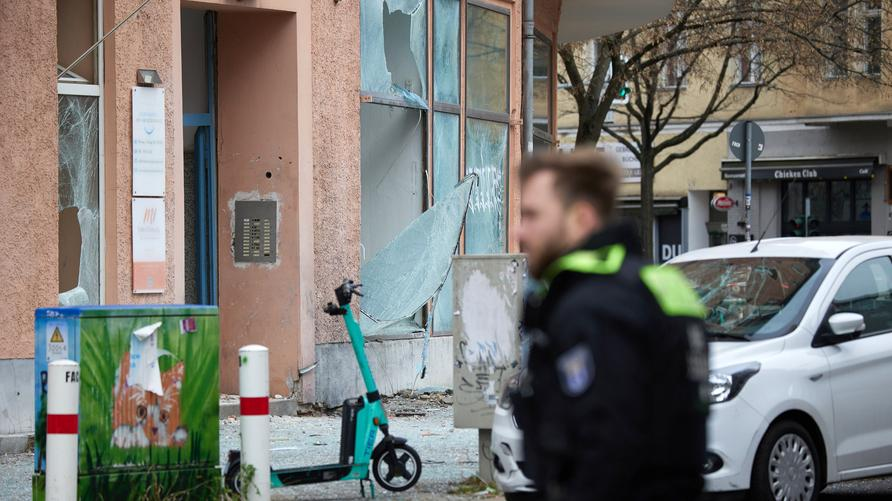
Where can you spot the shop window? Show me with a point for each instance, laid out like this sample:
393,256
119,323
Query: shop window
79,198
76,31
393,45
487,59
486,156
447,57
486,128
391,153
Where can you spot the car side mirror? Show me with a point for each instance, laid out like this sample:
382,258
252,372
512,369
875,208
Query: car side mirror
844,324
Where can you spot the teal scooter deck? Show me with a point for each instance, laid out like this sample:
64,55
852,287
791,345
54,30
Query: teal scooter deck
395,465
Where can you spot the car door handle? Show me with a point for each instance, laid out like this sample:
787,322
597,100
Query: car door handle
815,377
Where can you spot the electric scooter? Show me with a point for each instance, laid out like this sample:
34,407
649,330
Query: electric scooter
395,465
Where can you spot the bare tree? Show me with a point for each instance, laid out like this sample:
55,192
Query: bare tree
711,61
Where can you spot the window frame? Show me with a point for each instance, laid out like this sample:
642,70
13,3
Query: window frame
824,336
753,64
547,135
485,115
66,87
869,13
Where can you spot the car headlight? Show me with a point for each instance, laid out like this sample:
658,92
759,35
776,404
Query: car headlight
726,383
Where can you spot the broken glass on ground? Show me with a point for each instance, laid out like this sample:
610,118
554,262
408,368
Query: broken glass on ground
393,44
78,199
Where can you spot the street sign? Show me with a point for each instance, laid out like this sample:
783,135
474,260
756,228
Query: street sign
738,140
722,203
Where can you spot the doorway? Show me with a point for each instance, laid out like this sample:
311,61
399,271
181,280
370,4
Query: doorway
199,47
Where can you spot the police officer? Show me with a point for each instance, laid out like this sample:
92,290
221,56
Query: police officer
612,404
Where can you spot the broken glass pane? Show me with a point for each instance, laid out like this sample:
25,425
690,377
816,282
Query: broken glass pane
79,196
392,186
393,49
410,270
486,146
446,171
446,53
487,54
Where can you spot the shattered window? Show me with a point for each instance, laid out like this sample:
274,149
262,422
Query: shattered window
447,15
486,146
487,60
79,199
391,156
755,298
446,174
393,55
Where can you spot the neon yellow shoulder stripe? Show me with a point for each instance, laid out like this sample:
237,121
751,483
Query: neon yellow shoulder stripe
604,261
672,291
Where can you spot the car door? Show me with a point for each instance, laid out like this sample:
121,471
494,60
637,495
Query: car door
861,369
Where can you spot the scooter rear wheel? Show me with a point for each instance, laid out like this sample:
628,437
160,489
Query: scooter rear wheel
397,471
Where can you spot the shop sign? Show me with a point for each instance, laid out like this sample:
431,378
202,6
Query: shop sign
627,160
722,203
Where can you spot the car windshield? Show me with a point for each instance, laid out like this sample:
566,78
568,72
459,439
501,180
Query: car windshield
754,298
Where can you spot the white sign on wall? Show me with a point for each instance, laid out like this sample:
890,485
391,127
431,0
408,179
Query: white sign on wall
626,159
149,245
148,142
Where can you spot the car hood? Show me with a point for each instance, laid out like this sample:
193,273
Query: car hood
727,353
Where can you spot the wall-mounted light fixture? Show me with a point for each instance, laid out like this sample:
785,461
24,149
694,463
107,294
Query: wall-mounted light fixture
147,78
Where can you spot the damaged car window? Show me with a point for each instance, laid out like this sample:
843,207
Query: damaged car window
755,298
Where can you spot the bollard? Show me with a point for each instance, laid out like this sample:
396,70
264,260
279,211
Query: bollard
253,380
63,391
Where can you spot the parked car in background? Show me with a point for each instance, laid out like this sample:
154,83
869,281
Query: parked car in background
800,333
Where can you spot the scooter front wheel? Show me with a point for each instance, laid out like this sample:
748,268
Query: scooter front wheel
233,478
399,470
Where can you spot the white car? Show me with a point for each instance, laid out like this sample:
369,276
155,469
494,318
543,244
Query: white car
801,365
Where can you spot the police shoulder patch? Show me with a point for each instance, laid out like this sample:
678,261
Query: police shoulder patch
576,370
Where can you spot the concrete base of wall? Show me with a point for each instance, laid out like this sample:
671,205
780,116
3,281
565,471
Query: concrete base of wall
393,364
16,396
16,444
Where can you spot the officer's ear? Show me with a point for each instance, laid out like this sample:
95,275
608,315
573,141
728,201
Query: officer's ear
584,217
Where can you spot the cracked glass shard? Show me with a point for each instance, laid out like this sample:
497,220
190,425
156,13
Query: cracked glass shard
393,49
400,279
79,199
487,146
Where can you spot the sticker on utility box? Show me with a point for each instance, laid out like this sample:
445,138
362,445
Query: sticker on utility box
56,341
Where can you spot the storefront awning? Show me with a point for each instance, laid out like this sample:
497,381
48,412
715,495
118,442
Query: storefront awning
803,169
587,19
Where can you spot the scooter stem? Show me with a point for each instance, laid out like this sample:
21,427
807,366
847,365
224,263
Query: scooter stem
358,342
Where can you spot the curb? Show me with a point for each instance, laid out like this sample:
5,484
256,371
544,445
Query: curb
16,444
277,407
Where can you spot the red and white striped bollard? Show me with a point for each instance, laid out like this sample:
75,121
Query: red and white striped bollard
253,380
63,392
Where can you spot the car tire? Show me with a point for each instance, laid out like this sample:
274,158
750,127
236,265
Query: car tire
787,463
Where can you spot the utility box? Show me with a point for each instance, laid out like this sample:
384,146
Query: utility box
149,398
488,306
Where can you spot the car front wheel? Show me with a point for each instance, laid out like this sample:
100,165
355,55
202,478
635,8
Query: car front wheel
786,466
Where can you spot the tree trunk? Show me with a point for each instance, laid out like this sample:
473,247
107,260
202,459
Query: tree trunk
588,130
647,205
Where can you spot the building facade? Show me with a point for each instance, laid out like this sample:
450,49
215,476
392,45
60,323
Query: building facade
298,138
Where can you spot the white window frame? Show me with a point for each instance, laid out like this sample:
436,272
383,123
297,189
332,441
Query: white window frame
69,88
754,60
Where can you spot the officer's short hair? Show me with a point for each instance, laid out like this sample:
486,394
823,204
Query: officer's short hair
583,175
